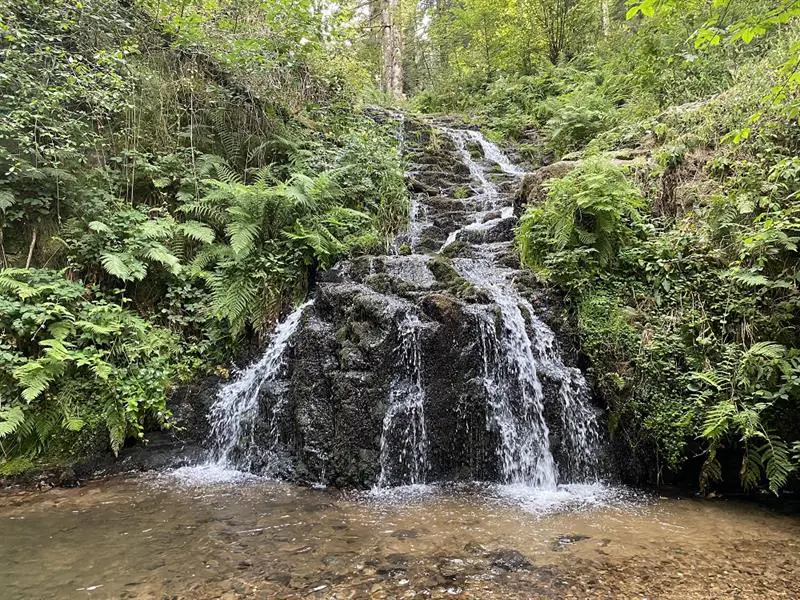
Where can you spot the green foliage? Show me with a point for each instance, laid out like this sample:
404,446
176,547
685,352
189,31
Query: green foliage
127,243
269,234
587,216
194,160
69,362
736,395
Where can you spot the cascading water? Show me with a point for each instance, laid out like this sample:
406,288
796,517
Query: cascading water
516,348
492,153
512,384
487,189
404,440
233,414
488,194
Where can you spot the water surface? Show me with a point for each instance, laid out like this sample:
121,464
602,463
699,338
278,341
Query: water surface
162,537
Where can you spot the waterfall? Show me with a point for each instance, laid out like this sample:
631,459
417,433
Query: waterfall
492,153
381,395
487,189
233,414
404,439
517,349
512,384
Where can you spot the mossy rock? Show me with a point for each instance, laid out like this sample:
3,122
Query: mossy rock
445,274
458,249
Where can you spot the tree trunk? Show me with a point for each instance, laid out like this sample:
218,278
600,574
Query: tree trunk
391,49
31,249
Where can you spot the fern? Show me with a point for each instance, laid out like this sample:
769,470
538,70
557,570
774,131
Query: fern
766,350
197,231
159,254
116,265
242,235
717,420
9,282
592,207
750,472
10,420
777,463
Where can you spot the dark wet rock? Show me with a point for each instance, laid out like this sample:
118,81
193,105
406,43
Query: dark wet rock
393,565
279,578
458,249
415,185
475,548
533,190
455,568
510,560
403,534
343,362
68,478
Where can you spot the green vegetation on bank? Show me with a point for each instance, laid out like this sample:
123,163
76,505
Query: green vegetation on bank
171,174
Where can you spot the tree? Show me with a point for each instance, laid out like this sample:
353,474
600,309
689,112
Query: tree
391,48
563,23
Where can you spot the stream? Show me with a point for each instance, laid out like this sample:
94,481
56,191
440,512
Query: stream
160,537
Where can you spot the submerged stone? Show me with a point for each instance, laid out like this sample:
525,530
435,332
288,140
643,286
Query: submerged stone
510,560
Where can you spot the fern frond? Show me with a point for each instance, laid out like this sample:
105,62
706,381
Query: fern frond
777,463
197,231
242,237
750,472
9,283
117,265
771,350
160,254
716,422
10,420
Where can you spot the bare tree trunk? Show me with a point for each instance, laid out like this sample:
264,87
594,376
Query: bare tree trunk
31,249
605,16
3,258
391,49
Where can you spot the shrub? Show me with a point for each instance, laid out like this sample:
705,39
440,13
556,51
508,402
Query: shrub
587,216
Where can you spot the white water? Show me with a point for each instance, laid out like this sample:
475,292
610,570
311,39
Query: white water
512,384
518,349
487,189
492,153
404,440
233,414
488,194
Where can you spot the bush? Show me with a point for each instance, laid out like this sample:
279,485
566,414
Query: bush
71,363
587,217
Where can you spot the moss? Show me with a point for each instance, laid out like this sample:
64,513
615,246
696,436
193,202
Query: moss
459,248
16,466
459,287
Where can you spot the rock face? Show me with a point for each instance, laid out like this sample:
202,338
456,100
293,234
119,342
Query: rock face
438,363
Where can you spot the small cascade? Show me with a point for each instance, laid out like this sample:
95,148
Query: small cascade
233,414
417,366
512,385
418,220
492,153
488,195
518,348
488,190
579,419
404,439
